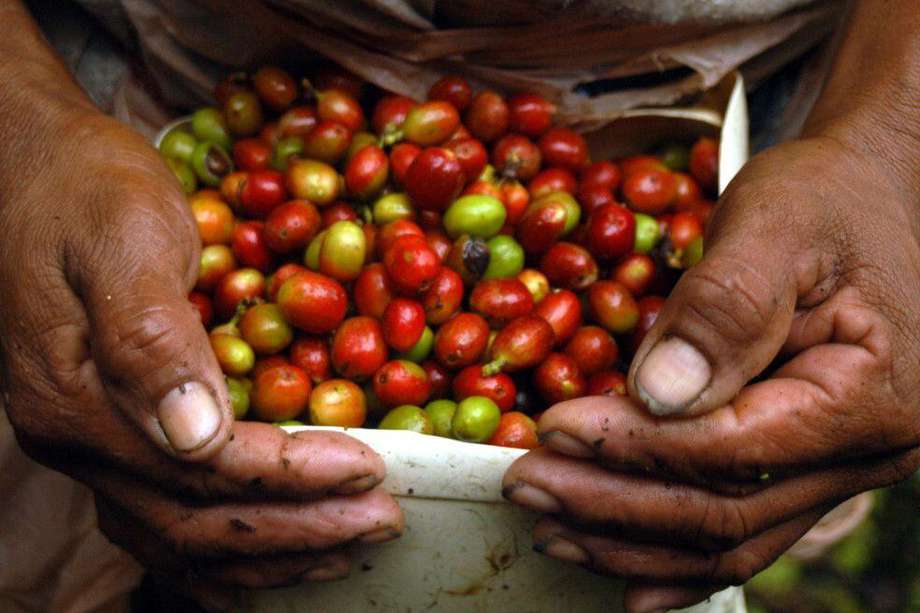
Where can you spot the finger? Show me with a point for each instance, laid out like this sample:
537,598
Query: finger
260,461
244,572
173,577
278,571
808,414
249,529
152,352
729,315
650,509
845,319
623,557
644,597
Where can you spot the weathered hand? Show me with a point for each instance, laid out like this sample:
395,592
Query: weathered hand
811,278
108,375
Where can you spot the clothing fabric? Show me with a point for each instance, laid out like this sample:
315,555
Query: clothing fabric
432,13
53,559
624,53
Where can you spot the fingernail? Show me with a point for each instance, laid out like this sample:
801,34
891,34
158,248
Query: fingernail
532,497
357,485
566,444
672,376
564,549
380,536
653,605
189,416
326,573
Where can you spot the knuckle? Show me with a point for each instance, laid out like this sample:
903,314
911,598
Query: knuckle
183,533
60,363
748,205
199,485
731,298
734,526
132,227
613,563
723,523
739,567
148,225
147,338
136,165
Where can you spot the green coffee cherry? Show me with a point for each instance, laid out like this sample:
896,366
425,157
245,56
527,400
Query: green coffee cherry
311,255
208,124
476,214
342,253
239,397
178,144
675,156
421,349
693,253
506,258
284,150
441,413
407,417
211,163
476,419
648,233
392,207
184,174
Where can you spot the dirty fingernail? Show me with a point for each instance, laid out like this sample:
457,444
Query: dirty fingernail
656,604
532,497
357,485
380,536
326,573
672,376
189,416
564,549
566,444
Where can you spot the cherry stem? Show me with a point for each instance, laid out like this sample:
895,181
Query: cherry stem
494,367
675,258
568,388
310,93
392,134
240,310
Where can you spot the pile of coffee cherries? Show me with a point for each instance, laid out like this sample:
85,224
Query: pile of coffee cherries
452,266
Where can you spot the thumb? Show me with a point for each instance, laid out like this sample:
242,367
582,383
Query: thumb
729,315
151,351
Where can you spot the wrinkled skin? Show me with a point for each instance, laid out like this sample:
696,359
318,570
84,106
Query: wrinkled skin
96,329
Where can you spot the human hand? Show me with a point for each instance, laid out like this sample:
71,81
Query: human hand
813,256
108,374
